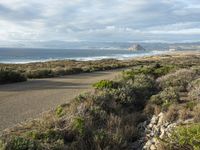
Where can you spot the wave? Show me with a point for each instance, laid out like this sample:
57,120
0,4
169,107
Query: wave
112,56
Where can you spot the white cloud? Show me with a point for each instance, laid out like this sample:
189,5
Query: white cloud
114,20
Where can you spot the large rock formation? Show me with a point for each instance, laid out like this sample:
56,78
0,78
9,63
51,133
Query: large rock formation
136,47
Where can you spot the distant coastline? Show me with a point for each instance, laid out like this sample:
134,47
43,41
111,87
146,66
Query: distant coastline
23,56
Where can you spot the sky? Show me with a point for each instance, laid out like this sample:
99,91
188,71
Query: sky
99,20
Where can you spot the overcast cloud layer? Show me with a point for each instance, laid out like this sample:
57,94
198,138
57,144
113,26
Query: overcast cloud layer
100,20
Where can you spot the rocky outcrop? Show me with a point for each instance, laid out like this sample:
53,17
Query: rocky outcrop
136,47
155,130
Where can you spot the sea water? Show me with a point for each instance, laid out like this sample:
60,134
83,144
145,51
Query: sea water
27,55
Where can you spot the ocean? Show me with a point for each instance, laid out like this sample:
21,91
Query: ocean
28,55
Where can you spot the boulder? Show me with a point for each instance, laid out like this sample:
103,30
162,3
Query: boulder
136,47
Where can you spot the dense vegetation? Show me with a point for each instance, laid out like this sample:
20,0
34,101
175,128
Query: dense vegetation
108,118
11,76
57,68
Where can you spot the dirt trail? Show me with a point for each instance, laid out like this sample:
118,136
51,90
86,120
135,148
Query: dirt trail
22,101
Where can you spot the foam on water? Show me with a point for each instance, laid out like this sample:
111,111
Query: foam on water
91,55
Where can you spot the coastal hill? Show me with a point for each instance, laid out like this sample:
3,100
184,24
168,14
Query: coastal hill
136,47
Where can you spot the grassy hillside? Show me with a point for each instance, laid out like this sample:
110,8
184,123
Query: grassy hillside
109,117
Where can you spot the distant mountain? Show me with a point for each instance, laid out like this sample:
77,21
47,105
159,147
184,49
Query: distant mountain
100,45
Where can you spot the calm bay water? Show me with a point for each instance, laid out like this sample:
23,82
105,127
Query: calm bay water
26,55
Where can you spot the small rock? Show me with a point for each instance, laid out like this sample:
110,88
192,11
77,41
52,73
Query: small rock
170,126
150,126
147,145
162,136
166,124
162,130
188,121
161,119
153,147
160,114
152,134
154,120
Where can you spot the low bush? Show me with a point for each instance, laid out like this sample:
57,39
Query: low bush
194,93
194,84
59,111
20,143
8,76
155,71
179,79
172,113
106,84
185,137
42,73
144,86
196,113
165,98
79,125
134,93
184,113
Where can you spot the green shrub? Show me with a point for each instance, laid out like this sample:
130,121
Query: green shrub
190,105
166,97
172,113
134,93
19,143
79,125
155,71
82,97
187,137
59,111
196,113
194,84
101,139
163,70
41,73
73,71
106,84
194,93
179,79
2,145
8,76
144,86
125,95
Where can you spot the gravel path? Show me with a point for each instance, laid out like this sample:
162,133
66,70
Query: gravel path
22,101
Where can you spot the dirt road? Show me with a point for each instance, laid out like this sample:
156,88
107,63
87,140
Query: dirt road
22,101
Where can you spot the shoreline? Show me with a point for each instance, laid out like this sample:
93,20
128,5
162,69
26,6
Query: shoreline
94,58
101,58
11,73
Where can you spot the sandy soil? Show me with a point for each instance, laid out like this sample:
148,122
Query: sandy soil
22,101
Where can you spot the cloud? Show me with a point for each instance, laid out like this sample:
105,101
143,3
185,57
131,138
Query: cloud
114,20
